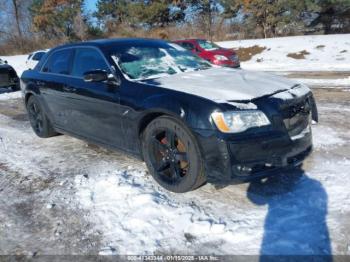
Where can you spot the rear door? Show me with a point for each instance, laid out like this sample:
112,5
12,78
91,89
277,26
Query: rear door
96,108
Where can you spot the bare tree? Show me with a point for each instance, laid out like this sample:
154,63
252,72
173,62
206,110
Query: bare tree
79,26
16,5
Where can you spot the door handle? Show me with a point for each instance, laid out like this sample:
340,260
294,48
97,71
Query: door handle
69,89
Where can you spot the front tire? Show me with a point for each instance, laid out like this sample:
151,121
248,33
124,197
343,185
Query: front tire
172,155
38,119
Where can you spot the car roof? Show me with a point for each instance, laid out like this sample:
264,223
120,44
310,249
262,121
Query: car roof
41,51
106,43
188,39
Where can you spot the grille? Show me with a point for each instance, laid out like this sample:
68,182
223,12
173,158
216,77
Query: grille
297,117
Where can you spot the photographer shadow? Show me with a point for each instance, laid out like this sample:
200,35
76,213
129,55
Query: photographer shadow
296,220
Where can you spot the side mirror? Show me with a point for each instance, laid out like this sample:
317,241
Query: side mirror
5,62
101,76
95,76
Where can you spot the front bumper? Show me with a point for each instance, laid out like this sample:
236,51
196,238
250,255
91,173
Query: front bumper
8,78
8,82
10,85
227,63
257,157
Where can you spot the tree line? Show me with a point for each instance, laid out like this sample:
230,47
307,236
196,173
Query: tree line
33,24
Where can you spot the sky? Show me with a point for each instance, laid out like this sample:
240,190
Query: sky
90,5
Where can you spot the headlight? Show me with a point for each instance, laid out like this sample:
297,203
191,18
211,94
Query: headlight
220,58
239,121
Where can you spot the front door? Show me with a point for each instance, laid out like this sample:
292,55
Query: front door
96,105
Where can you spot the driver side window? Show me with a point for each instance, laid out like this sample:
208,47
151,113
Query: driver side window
88,59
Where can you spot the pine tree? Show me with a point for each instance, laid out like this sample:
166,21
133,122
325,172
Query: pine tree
206,11
111,13
139,13
272,14
56,18
330,12
266,14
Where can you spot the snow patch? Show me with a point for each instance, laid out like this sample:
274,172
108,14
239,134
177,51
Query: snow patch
297,91
12,95
223,84
274,58
342,82
326,137
138,217
244,106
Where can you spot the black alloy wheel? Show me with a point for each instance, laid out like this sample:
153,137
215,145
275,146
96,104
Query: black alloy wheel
169,156
38,119
172,155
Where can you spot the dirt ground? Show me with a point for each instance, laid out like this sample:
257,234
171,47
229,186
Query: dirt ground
319,74
40,214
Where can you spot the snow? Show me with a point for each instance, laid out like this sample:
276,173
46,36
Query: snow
244,106
342,82
225,84
12,95
18,62
327,137
297,91
334,56
138,217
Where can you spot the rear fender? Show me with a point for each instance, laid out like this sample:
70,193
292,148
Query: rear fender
32,89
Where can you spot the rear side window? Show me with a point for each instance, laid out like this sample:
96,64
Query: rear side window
38,56
58,62
88,59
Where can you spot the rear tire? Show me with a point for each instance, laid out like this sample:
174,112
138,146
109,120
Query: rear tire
38,119
172,155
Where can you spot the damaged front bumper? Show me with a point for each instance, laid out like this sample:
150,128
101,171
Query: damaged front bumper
258,157
263,151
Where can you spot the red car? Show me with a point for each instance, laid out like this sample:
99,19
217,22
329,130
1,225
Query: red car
211,52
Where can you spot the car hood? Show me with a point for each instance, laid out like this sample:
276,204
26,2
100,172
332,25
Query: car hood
226,84
224,52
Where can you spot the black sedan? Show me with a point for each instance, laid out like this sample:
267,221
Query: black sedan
188,120
8,76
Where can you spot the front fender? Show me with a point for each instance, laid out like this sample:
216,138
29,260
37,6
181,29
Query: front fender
165,105
192,110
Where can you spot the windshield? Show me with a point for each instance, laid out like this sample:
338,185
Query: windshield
144,62
208,45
